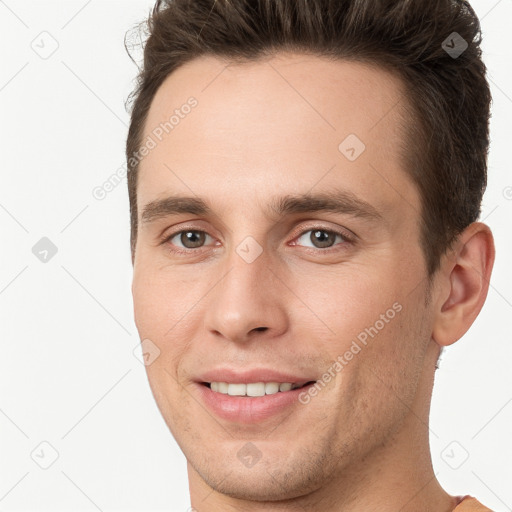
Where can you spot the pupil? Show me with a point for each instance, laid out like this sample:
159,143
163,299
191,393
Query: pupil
322,237
192,237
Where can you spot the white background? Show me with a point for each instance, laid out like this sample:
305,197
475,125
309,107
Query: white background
68,374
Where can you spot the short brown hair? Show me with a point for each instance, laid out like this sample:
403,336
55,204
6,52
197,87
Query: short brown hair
448,137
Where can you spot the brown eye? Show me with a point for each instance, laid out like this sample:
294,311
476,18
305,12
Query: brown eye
321,238
187,239
192,239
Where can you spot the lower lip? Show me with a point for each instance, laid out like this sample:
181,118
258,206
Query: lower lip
244,409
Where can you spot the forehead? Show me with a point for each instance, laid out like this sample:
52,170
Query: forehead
287,124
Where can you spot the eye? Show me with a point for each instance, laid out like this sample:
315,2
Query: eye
185,241
189,238
321,238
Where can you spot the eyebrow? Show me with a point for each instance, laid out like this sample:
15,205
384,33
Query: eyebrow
340,201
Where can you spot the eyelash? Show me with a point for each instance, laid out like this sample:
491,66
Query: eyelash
346,239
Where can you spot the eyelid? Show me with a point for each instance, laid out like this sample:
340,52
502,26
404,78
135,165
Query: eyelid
346,234
350,236
167,235
166,238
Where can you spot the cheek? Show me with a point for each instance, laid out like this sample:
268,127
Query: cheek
160,300
160,310
373,325
168,310
392,359
349,301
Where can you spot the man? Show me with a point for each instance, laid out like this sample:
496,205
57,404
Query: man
305,182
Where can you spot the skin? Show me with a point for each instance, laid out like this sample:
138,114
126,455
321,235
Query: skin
272,128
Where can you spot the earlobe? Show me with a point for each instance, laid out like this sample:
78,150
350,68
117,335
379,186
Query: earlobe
466,276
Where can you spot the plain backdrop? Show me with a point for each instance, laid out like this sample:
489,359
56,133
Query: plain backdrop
79,428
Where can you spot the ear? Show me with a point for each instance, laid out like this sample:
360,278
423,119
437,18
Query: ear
465,273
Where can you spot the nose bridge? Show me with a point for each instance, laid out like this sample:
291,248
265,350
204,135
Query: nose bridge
246,297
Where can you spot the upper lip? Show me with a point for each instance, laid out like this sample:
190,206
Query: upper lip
230,375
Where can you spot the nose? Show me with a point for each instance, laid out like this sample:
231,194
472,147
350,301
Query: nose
249,300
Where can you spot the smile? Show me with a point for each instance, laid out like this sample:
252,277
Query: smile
254,389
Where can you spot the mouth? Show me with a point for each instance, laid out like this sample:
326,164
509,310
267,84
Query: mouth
254,389
253,402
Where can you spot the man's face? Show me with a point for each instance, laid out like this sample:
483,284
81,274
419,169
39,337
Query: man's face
260,296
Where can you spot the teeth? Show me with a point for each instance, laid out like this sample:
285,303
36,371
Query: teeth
237,389
256,389
271,388
253,388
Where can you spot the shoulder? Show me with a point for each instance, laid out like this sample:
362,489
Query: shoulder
470,504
